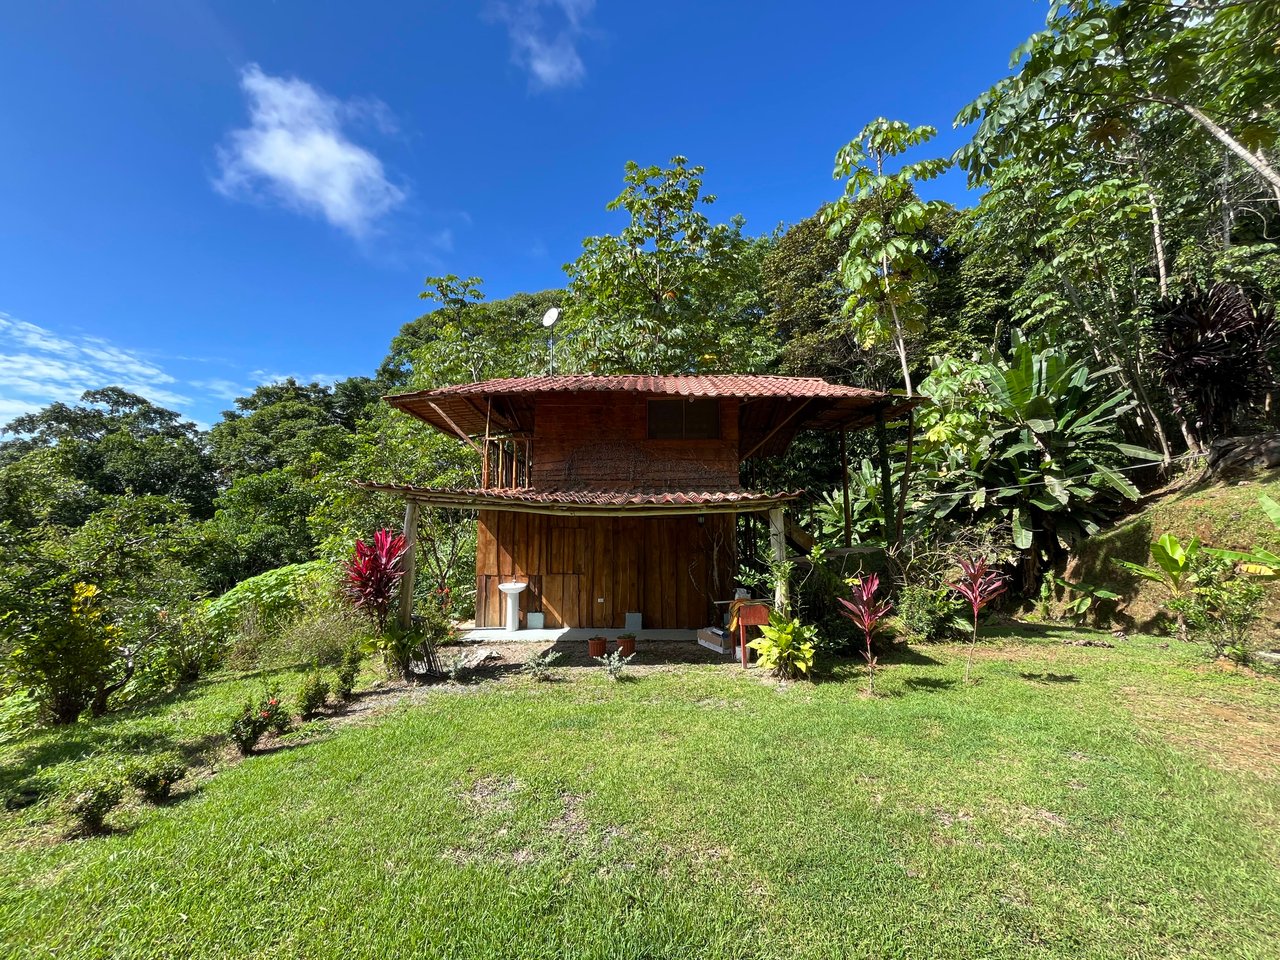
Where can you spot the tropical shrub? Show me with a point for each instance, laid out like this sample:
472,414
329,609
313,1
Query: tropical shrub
1214,354
785,647
313,691
91,801
155,776
1173,571
373,576
868,613
269,598
978,585
1219,608
1033,440
1084,597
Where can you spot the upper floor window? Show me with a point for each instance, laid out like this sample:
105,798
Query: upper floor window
680,419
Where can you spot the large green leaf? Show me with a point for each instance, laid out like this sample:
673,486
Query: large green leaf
1022,531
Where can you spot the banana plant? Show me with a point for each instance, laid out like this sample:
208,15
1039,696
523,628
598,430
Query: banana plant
1173,570
1256,562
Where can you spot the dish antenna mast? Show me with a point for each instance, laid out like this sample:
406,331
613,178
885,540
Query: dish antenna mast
549,320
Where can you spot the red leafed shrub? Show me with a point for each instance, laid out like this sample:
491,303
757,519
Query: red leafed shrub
867,613
979,585
373,574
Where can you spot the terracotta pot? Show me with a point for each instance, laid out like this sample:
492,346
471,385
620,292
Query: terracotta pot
595,647
626,646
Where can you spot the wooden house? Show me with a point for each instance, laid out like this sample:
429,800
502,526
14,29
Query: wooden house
611,495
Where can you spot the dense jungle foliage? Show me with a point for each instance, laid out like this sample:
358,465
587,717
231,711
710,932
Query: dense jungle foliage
1102,311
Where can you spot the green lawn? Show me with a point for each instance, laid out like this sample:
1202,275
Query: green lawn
1076,802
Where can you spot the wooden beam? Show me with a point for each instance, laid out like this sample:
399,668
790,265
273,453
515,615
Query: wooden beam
781,423
886,490
410,564
456,429
844,487
778,539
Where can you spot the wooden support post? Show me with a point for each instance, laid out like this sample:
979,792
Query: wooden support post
778,538
844,487
410,563
886,491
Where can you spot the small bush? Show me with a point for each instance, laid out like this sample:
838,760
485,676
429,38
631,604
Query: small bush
541,668
614,664
89,804
318,635
312,693
344,681
154,777
926,613
255,719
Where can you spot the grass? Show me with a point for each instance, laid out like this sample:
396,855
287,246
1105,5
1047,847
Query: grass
1074,802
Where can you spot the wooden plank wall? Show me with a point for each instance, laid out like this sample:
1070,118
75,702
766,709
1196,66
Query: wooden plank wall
590,571
601,441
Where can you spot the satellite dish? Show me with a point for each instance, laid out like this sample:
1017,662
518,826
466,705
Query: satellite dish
551,316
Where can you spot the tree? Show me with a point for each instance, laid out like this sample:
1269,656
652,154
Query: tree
455,297
306,426
260,523
1212,62
887,263
671,293
116,443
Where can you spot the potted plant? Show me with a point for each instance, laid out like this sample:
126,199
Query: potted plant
595,646
627,644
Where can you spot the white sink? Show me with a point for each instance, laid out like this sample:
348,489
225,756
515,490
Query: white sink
512,592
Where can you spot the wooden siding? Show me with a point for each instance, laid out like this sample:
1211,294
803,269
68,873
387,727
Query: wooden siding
601,441
591,571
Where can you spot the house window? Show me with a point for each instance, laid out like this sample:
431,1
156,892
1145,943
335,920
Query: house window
684,419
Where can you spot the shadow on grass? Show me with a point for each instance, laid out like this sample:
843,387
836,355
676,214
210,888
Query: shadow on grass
1050,677
902,654
929,684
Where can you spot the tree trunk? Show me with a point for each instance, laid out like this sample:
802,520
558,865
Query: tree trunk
1255,162
1157,231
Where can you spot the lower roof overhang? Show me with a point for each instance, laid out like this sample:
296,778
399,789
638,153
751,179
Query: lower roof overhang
590,503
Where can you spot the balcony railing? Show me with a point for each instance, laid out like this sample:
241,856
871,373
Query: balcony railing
507,462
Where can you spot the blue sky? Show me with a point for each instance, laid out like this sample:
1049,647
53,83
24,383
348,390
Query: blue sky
201,196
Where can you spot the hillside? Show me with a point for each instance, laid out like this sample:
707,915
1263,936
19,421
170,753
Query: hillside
1221,514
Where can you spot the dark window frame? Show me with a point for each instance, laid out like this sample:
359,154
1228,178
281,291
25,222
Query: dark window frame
667,429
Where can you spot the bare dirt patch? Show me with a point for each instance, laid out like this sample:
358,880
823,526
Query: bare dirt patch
1227,736
491,795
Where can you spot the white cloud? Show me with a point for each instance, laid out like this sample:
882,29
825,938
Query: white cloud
296,151
223,389
544,38
38,367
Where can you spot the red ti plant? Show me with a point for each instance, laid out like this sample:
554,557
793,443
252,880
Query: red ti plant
867,612
373,573
979,585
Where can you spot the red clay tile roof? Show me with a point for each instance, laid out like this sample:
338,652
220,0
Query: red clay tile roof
772,409
602,501
712,385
